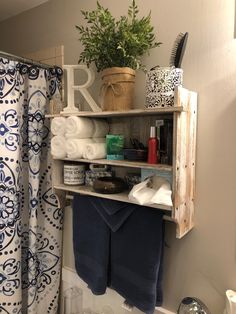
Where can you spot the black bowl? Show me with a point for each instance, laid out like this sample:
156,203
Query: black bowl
109,185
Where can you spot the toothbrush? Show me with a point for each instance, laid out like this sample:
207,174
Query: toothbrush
178,50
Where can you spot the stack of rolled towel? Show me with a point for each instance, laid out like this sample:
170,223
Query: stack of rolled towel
77,137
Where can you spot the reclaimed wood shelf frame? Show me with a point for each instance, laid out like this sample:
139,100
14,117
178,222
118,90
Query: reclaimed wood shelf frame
184,115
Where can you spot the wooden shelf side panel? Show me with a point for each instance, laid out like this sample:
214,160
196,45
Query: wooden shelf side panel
184,162
57,173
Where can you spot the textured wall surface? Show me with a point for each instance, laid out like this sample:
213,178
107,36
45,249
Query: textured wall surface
203,264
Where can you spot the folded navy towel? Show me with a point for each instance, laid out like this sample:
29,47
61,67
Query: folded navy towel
136,259
114,213
111,207
91,240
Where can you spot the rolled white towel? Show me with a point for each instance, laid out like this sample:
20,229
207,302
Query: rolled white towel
95,151
77,127
58,147
101,128
75,147
58,126
99,139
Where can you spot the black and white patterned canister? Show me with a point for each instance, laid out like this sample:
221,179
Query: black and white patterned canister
160,86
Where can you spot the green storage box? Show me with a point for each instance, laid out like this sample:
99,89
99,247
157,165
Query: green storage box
115,146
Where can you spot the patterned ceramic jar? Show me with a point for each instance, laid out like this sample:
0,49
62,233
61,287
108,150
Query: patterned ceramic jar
160,86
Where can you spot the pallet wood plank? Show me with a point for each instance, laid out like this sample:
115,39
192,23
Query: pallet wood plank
184,164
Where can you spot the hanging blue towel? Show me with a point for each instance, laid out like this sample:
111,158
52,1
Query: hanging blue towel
91,239
119,245
93,218
136,259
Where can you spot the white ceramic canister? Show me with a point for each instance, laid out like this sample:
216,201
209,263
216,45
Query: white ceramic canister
160,86
74,173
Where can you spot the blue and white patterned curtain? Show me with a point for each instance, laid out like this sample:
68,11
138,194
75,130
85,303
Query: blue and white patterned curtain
30,217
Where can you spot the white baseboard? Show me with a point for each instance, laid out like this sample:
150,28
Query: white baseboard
70,276
161,310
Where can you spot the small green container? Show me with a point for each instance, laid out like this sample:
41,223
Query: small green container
115,146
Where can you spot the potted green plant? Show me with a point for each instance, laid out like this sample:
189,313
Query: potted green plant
116,48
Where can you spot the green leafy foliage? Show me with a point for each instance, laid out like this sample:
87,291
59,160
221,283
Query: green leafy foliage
115,43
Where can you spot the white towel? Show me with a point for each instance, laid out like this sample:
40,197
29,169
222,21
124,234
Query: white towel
163,193
95,151
58,147
159,193
141,193
99,139
58,126
101,128
75,147
77,127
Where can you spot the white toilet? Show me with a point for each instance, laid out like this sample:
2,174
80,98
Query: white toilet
230,302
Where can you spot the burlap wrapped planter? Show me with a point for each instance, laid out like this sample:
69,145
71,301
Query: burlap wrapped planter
117,90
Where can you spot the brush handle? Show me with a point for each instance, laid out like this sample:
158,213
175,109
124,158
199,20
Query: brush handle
181,50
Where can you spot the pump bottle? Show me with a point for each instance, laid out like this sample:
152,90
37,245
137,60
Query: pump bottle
152,146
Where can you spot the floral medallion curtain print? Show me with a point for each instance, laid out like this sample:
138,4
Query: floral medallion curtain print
30,216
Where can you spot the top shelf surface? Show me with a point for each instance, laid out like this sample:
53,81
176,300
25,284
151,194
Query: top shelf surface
107,114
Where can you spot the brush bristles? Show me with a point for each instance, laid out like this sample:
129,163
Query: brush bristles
178,50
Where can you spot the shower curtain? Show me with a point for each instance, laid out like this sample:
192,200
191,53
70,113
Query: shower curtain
30,216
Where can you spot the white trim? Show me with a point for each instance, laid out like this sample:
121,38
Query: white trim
161,310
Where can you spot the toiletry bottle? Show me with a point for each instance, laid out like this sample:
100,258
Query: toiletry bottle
152,146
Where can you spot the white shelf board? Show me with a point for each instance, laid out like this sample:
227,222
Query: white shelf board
128,113
123,163
166,217
87,190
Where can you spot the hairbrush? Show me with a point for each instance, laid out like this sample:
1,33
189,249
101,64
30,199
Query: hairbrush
178,50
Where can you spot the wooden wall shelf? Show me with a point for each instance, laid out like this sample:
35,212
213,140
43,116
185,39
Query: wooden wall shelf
137,123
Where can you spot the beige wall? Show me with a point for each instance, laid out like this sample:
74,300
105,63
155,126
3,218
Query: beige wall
203,264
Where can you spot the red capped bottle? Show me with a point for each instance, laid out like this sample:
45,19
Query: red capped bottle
152,146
